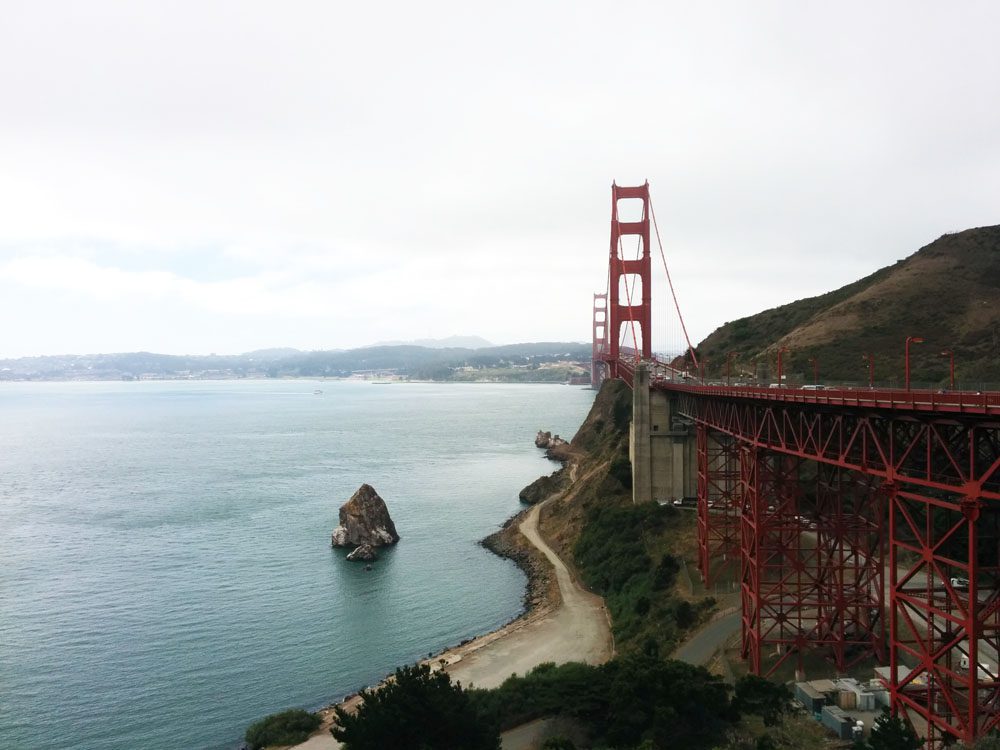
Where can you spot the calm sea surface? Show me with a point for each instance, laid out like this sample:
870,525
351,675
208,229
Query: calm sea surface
165,570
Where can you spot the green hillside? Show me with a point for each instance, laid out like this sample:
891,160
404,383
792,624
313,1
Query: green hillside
948,293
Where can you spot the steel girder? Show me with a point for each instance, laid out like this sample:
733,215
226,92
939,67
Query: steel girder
811,563
941,477
718,505
772,560
849,533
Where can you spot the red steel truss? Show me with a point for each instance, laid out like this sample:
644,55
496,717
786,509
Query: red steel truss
849,512
718,505
635,307
940,475
820,476
777,607
812,563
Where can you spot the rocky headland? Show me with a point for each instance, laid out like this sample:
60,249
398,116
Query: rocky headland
364,525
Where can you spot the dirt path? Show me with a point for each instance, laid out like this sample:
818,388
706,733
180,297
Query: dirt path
577,629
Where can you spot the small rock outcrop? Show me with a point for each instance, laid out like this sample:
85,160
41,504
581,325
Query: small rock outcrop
542,488
364,520
362,552
555,447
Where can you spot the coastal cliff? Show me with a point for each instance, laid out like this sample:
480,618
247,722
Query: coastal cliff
598,443
632,555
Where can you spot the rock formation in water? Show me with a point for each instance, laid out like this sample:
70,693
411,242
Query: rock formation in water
364,520
362,552
555,447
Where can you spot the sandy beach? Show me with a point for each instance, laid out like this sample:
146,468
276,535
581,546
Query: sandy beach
573,626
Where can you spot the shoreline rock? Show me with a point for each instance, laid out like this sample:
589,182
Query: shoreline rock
556,448
364,520
362,553
543,487
508,543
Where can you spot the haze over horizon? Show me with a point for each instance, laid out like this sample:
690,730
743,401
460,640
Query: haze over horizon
229,176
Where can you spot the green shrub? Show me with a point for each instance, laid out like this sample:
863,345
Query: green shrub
286,728
621,469
628,701
416,708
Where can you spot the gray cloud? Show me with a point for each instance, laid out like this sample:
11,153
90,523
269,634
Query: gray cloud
321,174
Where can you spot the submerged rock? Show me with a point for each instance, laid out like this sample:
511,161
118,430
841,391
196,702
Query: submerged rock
363,552
364,520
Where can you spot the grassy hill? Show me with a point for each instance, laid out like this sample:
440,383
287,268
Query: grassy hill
948,293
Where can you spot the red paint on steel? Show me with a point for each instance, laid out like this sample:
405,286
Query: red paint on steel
718,506
940,472
908,475
600,340
637,314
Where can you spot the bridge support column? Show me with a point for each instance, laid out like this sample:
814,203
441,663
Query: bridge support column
850,561
640,450
812,563
718,505
944,645
772,570
661,445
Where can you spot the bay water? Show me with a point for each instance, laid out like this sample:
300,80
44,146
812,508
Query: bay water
166,575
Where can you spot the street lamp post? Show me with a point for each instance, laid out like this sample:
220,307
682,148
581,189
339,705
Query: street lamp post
951,365
814,361
909,340
871,368
701,366
781,351
729,367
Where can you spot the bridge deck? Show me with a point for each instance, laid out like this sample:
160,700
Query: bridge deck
951,402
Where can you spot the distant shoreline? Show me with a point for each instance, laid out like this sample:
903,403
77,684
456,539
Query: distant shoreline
304,378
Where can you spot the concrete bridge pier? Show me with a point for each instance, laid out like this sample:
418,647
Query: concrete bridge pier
662,445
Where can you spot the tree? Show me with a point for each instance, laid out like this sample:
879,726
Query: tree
759,696
419,709
286,728
670,703
558,743
892,733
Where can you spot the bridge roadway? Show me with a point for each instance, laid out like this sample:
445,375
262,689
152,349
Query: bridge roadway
975,403
909,483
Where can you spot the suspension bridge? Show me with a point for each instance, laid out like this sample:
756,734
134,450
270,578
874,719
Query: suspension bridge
861,524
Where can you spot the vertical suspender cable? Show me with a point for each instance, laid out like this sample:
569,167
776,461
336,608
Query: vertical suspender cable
671,283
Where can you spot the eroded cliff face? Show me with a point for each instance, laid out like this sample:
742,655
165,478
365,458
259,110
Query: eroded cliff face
364,519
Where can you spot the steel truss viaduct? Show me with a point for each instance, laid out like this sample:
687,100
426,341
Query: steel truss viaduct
861,524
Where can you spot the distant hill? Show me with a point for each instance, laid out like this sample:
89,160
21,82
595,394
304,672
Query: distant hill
515,362
948,293
451,342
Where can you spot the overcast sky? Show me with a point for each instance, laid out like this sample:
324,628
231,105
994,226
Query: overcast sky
195,177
